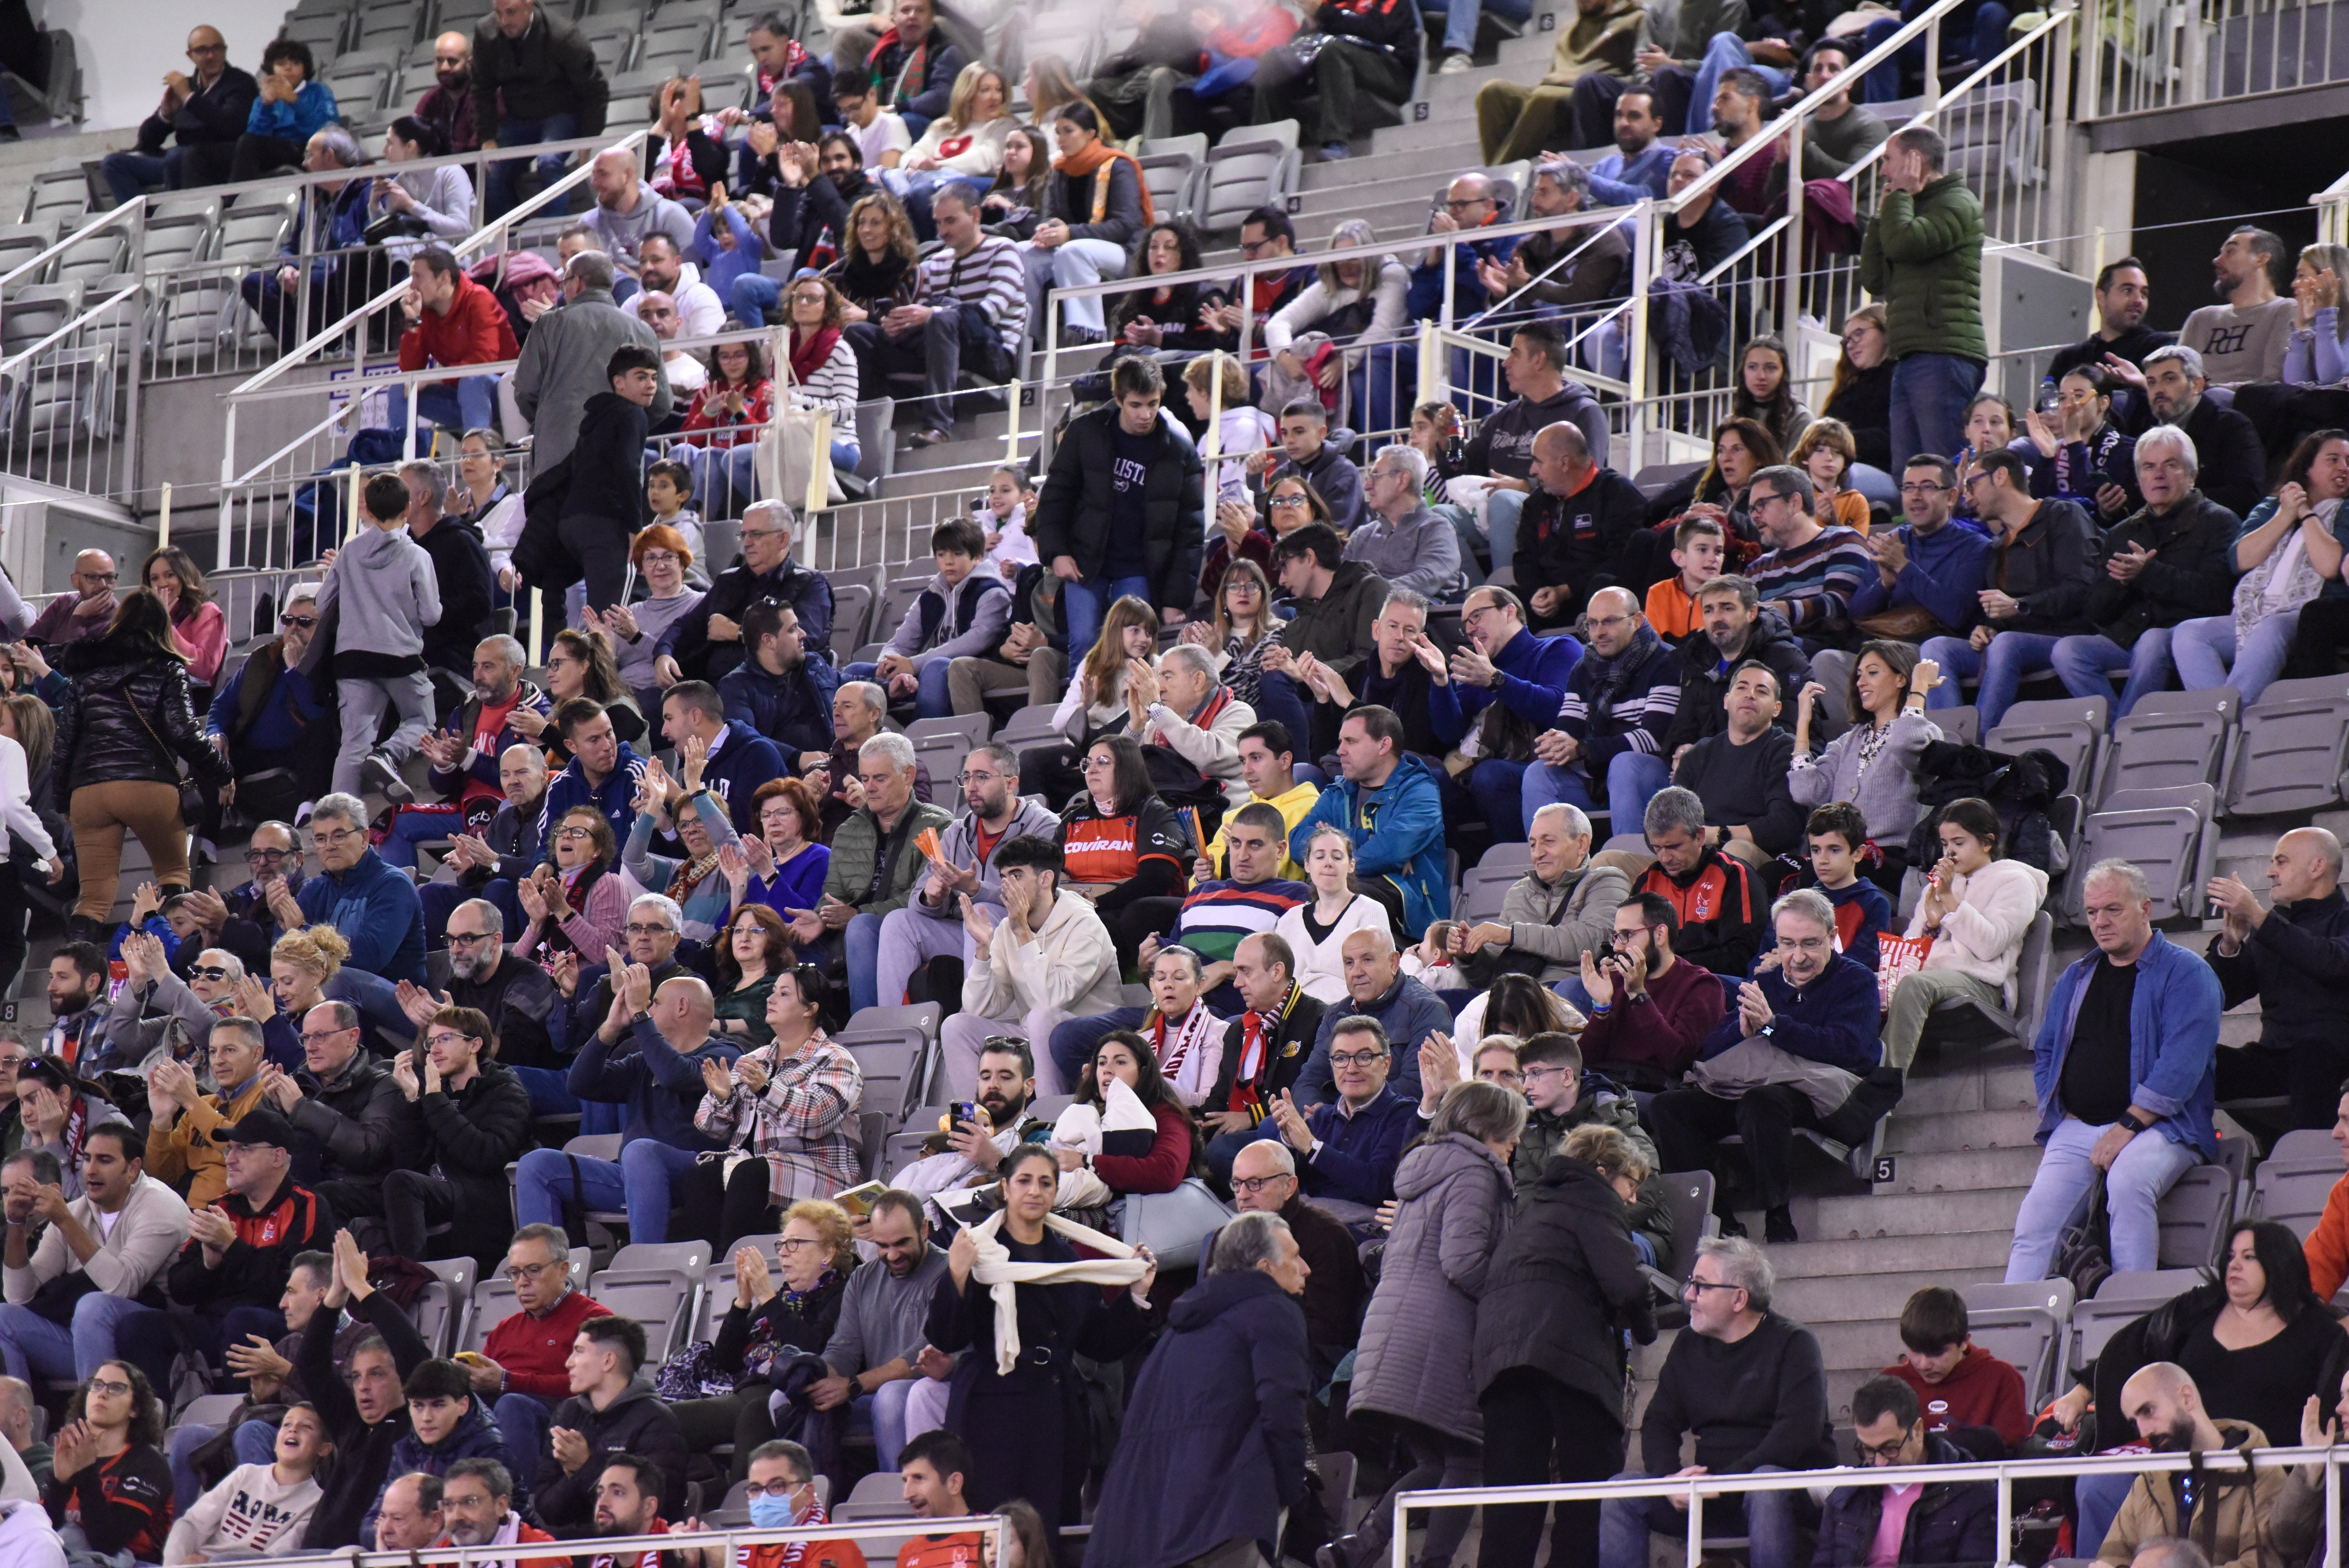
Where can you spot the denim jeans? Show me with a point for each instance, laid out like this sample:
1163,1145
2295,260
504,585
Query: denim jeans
1502,511
524,1419
255,1443
1278,697
2010,656
931,700
35,1348
1073,1043
1498,786
150,1339
2085,665
1083,605
421,824
752,297
861,948
1460,23
471,405
638,1181
1069,264
2207,657
1772,1520
2144,1169
1930,393
501,194
1723,53
1632,779
549,1089
2099,1498
1883,83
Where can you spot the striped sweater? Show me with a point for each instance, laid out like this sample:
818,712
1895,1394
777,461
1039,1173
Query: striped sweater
1816,582
1640,713
833,387
991,276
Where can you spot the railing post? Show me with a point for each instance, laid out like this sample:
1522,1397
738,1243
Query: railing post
1790,306
2333,1508
2057,145
1645,238
2005,1519
228,477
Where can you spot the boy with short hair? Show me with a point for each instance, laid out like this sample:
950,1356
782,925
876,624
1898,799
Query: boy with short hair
384,593
962,610
258,1509
1699,546
1966,1394
1835,833
668,491
881,134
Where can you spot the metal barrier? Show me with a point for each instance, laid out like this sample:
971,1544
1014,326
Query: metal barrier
728,1542
2146,54
69,397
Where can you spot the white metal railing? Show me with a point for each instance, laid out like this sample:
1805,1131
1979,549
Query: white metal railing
881,1536
1694,1491
69,401
2147,54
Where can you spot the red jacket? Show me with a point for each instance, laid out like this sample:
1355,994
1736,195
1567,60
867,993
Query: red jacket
1160,1171
474,332
533,1349
1979,1391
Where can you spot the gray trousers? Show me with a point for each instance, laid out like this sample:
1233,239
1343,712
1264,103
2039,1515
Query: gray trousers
364,703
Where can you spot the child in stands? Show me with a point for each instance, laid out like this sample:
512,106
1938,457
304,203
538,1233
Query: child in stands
1698,547
1835,832
1967,1394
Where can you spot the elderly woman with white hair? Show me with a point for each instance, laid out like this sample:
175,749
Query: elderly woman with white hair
1318,339
2172,562
874,861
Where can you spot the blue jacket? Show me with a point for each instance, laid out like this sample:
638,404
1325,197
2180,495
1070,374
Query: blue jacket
476,1437
1833,1020
1425,300
312,110
339,227
744,760
1359,1153
2173,1043
793,710
1215,1441
616,798
1618,182
286,712
1947,571
661,1089
1951,1521
1534,672
378,912
1409,1012
1863,914
1398,833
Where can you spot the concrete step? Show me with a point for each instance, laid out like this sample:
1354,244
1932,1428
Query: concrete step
1390,166
1917,1214
1981,1240
1869,1296
2001,1081
1946,1134
1961,1171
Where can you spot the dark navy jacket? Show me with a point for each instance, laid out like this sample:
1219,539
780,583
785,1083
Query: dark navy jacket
793,709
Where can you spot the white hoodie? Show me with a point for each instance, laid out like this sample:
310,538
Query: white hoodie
1984,936
26,1539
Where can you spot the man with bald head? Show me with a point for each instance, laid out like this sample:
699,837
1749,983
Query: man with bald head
1265,1182
204,109
89,612
628,210
648,1056
535,79
1607,739
448,107
2294,957
1376,988
2230,1517
1574,525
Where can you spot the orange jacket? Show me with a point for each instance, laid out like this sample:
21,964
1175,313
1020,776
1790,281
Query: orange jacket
2327,1247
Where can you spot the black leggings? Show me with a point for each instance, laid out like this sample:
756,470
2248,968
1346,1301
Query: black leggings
743,1204
1530,1417
738,1418
1437,1460
16,911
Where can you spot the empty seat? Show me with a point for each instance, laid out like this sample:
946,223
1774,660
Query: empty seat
717,1298
1254,166
2168,834
2170,737
657,1298
852,609
88,259
323,33
2195,1213
895,600
2070,729
439,1310
1031,725
35,311
20,243
356,88
2294,754
1482,889
174,243
59,197
1171,167
2294,1194
972,727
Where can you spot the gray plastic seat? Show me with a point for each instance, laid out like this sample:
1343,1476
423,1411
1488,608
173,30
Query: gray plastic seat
1253,165
2170,737
2294,754
1482,889
2293,1195
2163,833
852,608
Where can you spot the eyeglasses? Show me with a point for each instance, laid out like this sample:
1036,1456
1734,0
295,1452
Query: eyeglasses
308,1038
1253,1184
636,928
1457,206
209,973
1886,1451
470,937
659,557
1596,622
561,833
1253,248
1709,1285
336,841
1547,1070
761,533
780,1488
265,857
522,1274
967,777
1922,489
1756,499
448,1037
304,621
793,1244
101,576
1286,500
1355,1059
109,1386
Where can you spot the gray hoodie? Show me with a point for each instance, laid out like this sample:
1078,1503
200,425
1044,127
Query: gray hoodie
384,583
623,231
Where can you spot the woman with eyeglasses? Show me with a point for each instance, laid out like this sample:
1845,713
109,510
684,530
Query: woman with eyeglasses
702,826
785,867
1316,930
786,1304
127,729
1238,533
753,948
1117,836
662,558
580,663
823,364
1240,631
574,904
481,497
109,1481
792,1101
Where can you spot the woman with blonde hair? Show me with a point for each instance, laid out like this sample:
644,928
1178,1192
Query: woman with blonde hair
2317,352
303,966
875,273
1349,305
966,143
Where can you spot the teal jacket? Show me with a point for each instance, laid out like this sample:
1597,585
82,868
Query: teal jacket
1398,833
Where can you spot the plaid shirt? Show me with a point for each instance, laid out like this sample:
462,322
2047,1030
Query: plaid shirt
804,1123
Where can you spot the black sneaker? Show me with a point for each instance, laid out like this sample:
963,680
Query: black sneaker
379,773
1778,1225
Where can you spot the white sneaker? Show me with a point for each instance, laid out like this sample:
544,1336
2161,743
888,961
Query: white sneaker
1454,65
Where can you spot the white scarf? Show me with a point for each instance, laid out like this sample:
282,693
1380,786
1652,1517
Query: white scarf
1002,1276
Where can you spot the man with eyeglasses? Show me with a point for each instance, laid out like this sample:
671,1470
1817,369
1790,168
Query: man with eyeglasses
1750,1384
1504,685
654,926
780,1490
521,1371
1399,537
74,1269
1809,573
1264,1181
89,612
204,109
1959,1518
1650,1010
263,719
930,925
858,709
1349,1147
1929,575
879,1354
475,971
477,1510
710,641
784,690
1809,1017
1608,734
1739,629
874,865
1563,1094
343,1102
375,907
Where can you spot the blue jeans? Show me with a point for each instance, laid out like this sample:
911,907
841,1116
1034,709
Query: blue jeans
424,824
2207,657
2099,1498
1771,1520
2145,1168
752,297
861,948
34,1348
150,1339
638,1182
522,133
1498,786
1460,23
2084,665
524,1419
1723,53
549,1087
471,405
1632,779
1083,605
2010,656
1883,84
1073,1043
1929,392
931,701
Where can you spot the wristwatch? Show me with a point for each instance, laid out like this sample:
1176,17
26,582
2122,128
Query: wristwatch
2129,1119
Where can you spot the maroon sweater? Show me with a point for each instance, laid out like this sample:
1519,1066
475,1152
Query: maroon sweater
1663,1032
1979,1391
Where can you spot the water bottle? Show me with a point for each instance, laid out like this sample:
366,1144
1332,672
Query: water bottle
2049,398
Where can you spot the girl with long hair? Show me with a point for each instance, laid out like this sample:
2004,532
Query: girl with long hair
718,441
1169,316
1014,204
1827,453
2076,454
580,663
683,160
107,1474
198,629
1860,395
435,205
1765,390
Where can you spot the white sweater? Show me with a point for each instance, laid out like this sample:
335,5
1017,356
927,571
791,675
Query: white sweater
147,1233
251,1513
17,801
1070,965
977,151
1319,968
1389,310
1984,936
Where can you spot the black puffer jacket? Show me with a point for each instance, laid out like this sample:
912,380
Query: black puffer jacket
129,718
1564,1285
1074,513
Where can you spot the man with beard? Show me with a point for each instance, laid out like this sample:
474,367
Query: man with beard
1650,1010
661,267
266,721
627,1502
878,1356
972,1149
76,982
812,188
1808,1001
930,925
477,1510
447,107
2241,339
248,919
2230,1513
1738,629
783,690
2232,462
2123,297
516,998
466,756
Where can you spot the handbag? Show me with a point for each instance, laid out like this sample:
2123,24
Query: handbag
1173,1224
794,463
2083,1250
192,798
1906,623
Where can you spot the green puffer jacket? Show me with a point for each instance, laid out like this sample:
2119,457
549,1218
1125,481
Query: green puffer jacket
1600,1103
1923,257
857,843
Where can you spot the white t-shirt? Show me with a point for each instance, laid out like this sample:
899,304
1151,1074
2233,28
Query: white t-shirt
887,133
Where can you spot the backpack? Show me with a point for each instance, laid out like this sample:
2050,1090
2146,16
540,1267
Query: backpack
2022,790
